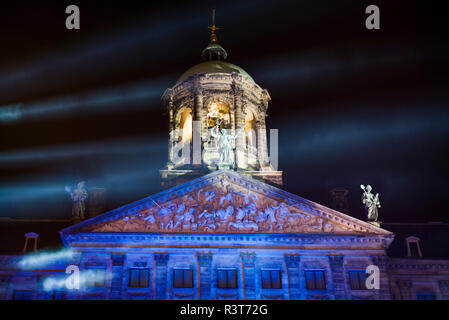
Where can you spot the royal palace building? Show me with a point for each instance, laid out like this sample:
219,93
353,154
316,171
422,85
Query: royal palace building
223,227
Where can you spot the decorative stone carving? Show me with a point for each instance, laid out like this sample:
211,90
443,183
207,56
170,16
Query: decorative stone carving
204,259
220,208
271,297
226,202
381,261
291,260
336,260
248,259
161,259
317,297
117,258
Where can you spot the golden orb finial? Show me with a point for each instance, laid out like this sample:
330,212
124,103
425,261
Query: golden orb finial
213,28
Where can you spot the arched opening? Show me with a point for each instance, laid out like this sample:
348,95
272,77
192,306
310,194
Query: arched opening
251,136
184,124
218,114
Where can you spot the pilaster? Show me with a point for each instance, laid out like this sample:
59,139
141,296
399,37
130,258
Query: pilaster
248,275
292,265
204,275
160,279
116,288
239,122
384,292
338,277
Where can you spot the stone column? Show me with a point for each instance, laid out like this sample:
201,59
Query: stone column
262,152
384,292
197,92
116,288
160,278
168,99
292,264
239,122
204,275
248,275
338,277
198,115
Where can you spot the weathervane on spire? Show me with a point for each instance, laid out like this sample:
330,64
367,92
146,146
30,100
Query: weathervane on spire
213,28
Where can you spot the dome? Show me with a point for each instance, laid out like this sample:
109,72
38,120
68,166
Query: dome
213,66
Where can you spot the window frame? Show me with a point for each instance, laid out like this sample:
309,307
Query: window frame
140,277
227,280
55,293
270,280
95,283
315,271
361,284
22,294
184,285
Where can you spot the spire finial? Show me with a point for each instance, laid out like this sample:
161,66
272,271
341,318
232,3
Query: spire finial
213,28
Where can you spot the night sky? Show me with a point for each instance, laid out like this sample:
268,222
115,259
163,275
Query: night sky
353,106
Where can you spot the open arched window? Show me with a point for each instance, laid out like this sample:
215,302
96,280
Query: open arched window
184,124
218,113
251,136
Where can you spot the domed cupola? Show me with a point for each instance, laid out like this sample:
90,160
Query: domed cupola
209,97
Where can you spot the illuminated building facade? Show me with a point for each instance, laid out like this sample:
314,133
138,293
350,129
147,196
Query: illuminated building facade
224,232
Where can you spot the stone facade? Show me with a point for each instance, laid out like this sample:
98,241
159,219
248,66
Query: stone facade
222,234
307,251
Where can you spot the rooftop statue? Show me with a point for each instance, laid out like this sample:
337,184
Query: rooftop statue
371,202
78,196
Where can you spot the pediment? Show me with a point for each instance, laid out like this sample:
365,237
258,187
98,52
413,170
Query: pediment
225,202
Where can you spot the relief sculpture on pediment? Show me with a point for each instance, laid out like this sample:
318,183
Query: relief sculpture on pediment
219,208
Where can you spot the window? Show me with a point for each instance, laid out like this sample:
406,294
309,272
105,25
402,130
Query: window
139,277
22,295
58,295
414,252
227,279
413,247
315,279
425,296
182,278
357,279
96,277
271,279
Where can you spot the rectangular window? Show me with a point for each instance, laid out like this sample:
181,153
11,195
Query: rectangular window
227,279
182,278
414,252
96,277
425,296
139,277
58,295
22,295
357,279
315,279
271,279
